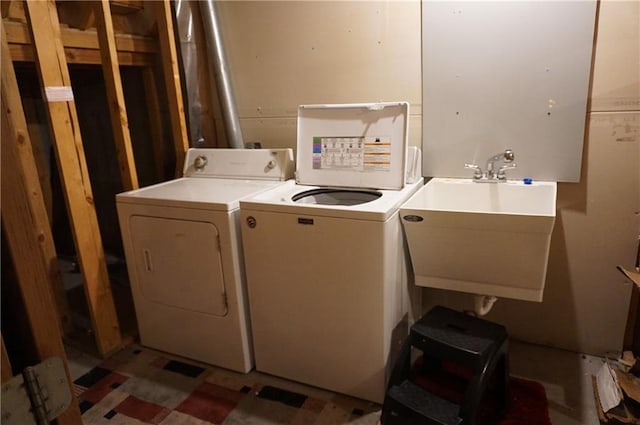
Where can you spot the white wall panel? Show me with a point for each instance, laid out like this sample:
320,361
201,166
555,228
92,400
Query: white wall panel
506,75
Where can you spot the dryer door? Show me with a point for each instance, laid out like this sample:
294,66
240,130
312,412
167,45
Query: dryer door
178,263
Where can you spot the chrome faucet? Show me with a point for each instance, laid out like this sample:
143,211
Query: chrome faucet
490,175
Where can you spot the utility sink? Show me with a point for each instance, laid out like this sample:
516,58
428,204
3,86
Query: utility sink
481,238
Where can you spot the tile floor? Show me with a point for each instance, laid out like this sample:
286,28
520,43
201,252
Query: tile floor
565,375
140,384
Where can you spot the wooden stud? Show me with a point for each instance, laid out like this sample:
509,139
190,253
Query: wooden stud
77,14
4,9
21,227
155,122
126,7
5,365
631,329
63,121
115,95
39,157
16,130
172,80
13,10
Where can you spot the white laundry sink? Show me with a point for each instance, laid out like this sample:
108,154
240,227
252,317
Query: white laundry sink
481,238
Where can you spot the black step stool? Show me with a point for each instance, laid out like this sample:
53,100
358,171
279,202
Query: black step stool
448,338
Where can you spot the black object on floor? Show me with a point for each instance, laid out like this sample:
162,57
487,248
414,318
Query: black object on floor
472,348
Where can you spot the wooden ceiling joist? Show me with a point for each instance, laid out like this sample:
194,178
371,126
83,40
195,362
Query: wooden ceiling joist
24,53
83,46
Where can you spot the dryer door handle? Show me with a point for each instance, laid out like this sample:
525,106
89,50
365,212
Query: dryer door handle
147,259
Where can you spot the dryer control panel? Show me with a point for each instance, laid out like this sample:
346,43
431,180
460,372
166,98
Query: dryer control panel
254,164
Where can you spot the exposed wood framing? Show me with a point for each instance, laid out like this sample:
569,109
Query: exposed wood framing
5,6
631,330
124,7
42,40
37,145
79,14
171,74
22,230
5,370
15,130
155,125
115,96
63,121
83,46
25,53
18,33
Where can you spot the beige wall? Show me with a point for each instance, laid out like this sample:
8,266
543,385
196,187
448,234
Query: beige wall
282,54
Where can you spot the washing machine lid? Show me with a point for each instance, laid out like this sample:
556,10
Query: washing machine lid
361,145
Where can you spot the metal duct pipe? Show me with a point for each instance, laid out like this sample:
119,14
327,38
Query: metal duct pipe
219,73
185,28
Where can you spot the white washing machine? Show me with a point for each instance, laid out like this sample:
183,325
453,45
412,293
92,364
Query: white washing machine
184,255
326,266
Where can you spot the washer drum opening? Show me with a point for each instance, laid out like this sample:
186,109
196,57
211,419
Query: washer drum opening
344,197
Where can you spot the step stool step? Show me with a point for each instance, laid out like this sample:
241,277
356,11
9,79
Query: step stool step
456,336
431,409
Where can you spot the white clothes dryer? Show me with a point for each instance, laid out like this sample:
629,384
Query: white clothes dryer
184,256
326,266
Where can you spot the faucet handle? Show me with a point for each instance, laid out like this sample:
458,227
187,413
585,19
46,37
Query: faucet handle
509,156
501,172
477,171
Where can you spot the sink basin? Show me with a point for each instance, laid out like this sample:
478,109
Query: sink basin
481,238
538,198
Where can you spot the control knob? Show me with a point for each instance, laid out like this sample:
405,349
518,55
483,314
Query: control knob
200,162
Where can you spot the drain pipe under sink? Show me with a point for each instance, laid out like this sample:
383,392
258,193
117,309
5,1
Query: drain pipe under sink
483,303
